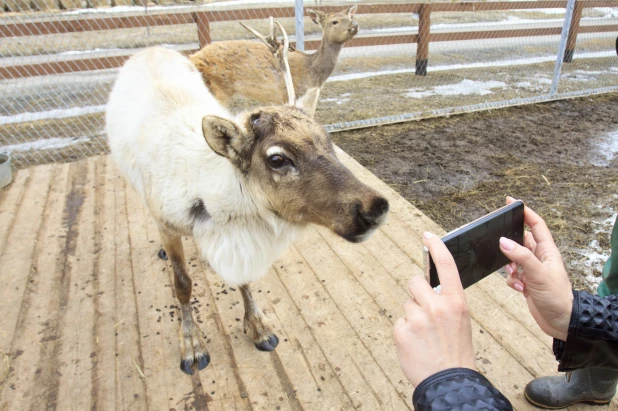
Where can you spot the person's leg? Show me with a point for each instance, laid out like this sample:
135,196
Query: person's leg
597,385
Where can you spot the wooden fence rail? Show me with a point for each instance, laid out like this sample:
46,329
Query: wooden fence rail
202,20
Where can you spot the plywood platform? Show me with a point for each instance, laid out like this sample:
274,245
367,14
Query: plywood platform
88,317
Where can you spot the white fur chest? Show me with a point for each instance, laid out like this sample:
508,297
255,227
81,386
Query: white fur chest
243,249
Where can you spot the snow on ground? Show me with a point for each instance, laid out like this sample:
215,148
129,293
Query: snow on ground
605,150
596,257
51,114
463,88
499,63
44,144
340,100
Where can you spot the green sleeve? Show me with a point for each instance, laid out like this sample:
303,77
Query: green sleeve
609,285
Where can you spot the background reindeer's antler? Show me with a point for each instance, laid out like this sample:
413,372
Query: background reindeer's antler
280,51
287,74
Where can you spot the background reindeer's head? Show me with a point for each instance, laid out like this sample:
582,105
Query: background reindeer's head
336,27
289,161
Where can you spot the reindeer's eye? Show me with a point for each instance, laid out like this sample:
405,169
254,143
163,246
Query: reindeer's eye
255,119
335,22
277,161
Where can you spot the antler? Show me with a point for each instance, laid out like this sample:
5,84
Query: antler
275,47
287,74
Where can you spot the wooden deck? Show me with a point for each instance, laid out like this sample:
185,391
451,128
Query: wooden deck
88,318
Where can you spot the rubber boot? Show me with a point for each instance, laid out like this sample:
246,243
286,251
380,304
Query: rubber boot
594,385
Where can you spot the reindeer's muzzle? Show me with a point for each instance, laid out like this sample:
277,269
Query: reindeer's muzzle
354,29
367,220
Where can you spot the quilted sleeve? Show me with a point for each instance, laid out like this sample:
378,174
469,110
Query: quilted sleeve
592,340
458,389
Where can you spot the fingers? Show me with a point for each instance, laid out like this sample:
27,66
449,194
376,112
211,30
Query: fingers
445,265
514,282
421,291
522,256
529,241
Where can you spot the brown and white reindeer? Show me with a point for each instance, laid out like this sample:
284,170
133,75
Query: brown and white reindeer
242,186
247,69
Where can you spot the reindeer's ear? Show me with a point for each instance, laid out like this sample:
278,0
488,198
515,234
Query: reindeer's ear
316,15
309,102
228,140
351,11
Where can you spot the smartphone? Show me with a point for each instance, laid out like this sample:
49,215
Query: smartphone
476,246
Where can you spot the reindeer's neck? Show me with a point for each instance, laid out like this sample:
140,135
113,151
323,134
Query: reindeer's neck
322,62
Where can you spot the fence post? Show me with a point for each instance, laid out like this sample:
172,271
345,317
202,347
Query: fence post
573,30
203,28
562,46
300,25
422,43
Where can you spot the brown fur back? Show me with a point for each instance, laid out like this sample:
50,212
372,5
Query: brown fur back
244,68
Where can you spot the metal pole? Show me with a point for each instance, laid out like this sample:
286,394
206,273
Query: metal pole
562,46
300,25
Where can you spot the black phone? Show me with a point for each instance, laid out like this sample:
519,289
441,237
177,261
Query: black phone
476,246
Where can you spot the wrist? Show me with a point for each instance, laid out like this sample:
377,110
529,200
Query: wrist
562,330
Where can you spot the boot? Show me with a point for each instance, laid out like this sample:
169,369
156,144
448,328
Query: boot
594,385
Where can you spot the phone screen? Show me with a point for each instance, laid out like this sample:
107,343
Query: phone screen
476,246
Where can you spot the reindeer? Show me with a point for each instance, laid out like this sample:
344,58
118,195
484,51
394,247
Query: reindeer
247,69
243,186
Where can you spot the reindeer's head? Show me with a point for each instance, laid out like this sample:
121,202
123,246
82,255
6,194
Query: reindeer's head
337,28
288,160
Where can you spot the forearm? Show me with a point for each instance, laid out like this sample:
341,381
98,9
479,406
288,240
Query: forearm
458,389
592,339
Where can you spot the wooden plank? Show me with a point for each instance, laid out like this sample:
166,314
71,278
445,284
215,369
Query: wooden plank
103,374
75,359
264,384
37,306
73,25
203,28
99,3
10,200
130,387
348,359
315,379
166,384
18,252
222,382
368,321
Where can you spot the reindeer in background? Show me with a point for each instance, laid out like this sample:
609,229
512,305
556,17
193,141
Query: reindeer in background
247,69
243,186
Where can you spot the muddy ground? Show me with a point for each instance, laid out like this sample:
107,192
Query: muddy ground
558,157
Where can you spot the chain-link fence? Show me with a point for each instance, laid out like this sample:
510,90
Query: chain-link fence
58,66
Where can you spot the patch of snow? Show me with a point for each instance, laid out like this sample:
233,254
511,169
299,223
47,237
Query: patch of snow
605,150
499,63
78,52
51,114
549,11
464,88
44,144
609,11
334,100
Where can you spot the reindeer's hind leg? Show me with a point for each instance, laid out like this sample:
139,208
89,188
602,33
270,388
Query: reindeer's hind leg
193,350
260,333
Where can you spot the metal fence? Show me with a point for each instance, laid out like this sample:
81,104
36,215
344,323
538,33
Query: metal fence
408,60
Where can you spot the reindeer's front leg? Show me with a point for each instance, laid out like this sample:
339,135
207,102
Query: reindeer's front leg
192,347
260,333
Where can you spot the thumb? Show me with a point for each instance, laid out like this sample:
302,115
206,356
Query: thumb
522,256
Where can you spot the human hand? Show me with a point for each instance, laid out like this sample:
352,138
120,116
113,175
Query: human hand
436,333
543,279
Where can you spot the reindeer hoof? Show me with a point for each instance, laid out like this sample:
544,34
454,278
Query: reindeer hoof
162,254
268,345
186,365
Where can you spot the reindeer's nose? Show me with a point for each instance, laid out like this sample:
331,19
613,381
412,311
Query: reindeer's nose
354,29
375,214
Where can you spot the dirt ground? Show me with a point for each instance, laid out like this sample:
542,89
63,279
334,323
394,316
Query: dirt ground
558,157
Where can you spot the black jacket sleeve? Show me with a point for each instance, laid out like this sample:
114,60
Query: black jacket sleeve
592,340
458,389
